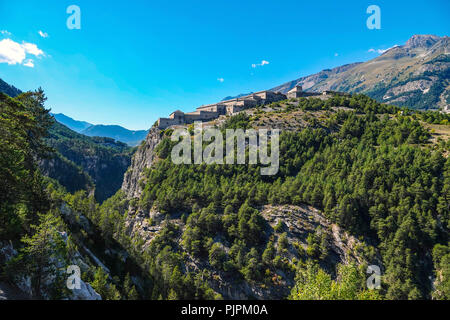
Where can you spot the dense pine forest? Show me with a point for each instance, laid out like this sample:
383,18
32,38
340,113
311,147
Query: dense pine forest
374,174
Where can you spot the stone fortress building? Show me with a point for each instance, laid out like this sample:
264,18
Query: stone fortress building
295,92
230,107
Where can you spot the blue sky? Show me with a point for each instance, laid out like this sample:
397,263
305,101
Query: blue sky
134,61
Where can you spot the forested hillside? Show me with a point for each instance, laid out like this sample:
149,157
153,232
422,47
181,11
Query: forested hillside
360,183
9,89
27,220
375,183
40,234
80,162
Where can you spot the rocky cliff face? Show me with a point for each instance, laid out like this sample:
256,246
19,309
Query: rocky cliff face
22,288
297,223
421,41
143,158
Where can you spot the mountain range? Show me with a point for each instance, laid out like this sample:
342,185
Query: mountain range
130,137
75,125
416,75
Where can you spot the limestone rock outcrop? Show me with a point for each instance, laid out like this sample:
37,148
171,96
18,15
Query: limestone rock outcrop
143,158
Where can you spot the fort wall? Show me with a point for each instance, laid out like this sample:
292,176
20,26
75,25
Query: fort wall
213,111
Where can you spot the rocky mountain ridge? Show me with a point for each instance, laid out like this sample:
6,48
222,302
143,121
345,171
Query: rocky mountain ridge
415,75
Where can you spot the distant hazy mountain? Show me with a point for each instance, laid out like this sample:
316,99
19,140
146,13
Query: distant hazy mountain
9,89
130,137
75,125
416,75
238,96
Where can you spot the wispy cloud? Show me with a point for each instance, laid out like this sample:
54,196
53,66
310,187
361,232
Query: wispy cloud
220,79
263,63
43,34
31,48
5,32
381,51
13,53
336,54
29,63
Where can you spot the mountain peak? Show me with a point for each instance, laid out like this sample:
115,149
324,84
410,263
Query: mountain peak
422,41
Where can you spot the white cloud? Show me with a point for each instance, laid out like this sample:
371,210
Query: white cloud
336,54
13,53
29,63
31,48
5,32
264,62
43,34
381,51
220,79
